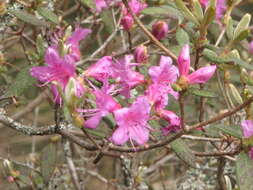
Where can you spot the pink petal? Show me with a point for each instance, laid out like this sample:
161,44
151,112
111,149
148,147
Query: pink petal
165,72
101,70
77,35
247,128
202,75
184,60
93,121
120,136
52,57
170,116
140,134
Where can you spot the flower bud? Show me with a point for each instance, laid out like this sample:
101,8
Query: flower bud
160,29
251,47
140,54
127,22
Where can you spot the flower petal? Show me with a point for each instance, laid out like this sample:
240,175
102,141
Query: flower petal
140,134
184,60
247,128
93,121
202,75
120,135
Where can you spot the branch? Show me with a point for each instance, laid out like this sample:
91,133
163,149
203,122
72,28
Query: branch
149,34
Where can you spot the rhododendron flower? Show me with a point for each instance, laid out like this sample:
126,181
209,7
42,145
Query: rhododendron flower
172,118
251,47
101,70
199,76
247,128
132,123
162,76
100,4
105,104
122,70
59,69
160,29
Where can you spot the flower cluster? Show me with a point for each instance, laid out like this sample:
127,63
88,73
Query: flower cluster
119,77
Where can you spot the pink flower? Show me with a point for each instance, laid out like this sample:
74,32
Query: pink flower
101,70
132,123
162,77
172,118
140,54
61,69
73,42
100,4
199,76
105,104
121,70
247,128
251,47
58,69
160,30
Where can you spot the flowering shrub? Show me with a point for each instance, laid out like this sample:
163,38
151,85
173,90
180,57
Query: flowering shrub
136,81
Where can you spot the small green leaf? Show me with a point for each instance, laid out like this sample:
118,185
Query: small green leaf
22,82
106,16
242,25
182,37
183,152
197,10
209,16
89,3
233,130
244,171
48,14
244,34
165,10
48,161
212,56
28,18
202,93
187,13
230,28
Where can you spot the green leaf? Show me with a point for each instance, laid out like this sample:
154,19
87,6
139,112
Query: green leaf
187,13
244,171
182,37
48,14
89,3
230,28
22,82
183,152
233,130
242,63
242,25
48,161
202,93
197,10
106,16
209,16
213,57
244,34
165,10
28,18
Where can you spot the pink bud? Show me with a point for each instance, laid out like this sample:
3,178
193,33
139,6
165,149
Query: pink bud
251,47
127,22
160,29
140,54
